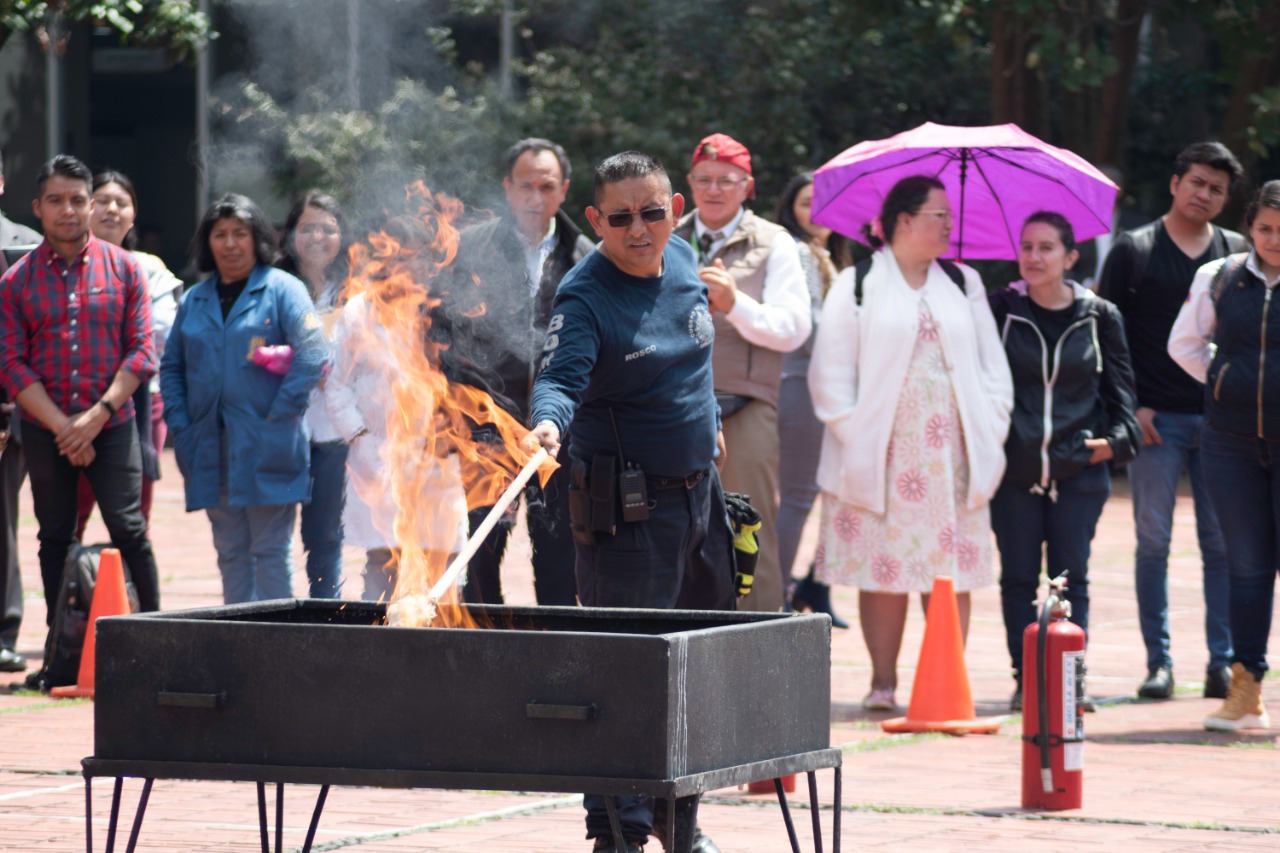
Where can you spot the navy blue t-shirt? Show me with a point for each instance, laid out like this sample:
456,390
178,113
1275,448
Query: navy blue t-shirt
641,346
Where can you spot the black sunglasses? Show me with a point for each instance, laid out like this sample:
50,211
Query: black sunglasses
623,220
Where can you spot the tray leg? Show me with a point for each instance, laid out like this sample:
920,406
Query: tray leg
786,816
262,817
682,821
279,817
835,818
138,815
615,825
813,811
88,814
115,813
315,819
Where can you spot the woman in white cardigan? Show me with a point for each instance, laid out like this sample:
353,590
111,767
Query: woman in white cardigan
909,376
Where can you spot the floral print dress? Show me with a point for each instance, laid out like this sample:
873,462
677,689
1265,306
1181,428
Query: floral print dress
926,529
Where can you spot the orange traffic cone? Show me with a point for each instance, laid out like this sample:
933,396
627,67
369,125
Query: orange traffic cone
940,698
109,599
765,786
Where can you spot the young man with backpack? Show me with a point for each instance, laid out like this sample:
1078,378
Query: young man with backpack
1147,276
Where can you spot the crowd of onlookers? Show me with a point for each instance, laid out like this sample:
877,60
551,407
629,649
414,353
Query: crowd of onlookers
928,413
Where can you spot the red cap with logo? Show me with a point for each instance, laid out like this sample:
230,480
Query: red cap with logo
725,149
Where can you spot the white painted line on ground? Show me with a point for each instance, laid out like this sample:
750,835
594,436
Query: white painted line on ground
35,792
354,838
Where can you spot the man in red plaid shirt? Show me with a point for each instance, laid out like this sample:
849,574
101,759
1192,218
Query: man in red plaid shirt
75,341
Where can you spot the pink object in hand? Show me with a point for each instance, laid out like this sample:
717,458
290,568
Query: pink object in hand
276,359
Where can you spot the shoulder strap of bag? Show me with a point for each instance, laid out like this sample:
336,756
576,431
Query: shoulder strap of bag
1231,272
1143,240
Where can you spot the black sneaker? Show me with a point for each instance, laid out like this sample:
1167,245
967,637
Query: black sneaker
11,661
1159,684
606,845
1217,679
701,843
1015,701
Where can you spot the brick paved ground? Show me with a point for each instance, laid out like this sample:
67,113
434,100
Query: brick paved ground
1155,781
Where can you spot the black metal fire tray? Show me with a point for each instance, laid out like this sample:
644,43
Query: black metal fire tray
660,703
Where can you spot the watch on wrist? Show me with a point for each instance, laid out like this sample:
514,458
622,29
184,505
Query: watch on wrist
106,404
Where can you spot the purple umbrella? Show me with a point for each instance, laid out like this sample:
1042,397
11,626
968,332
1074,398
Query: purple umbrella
995,177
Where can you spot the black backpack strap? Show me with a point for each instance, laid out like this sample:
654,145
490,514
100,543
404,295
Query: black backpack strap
861,267
1143,241
1231,272
954,273
859,273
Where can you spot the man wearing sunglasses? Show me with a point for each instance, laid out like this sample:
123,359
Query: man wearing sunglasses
520,258
627,371
760,303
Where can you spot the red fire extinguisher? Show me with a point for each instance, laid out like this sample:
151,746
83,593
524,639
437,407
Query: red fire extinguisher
1052,711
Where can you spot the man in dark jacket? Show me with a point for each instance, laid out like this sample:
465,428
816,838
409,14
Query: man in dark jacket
1147,276
519,259
13,470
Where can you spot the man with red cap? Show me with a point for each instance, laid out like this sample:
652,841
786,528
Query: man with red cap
760,306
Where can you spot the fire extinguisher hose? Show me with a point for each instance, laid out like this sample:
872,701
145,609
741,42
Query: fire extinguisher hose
1042,691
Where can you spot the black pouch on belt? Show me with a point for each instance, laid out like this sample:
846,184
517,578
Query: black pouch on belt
604,502
580,504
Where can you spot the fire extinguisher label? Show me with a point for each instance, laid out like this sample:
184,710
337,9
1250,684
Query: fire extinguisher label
1073,756
1072,694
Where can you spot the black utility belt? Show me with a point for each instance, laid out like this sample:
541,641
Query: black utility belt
688,481
601,490
731,404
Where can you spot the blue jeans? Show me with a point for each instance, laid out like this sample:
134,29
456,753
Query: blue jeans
321,525
800,443
1243,478
254,553
1025,524
1154,476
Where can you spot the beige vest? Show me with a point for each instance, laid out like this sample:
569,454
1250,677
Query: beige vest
739,367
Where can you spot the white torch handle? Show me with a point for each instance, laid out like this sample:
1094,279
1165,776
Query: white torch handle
450,576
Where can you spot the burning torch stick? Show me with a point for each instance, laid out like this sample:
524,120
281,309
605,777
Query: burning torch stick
420,610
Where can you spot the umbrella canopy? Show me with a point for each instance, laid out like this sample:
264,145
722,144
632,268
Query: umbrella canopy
995,177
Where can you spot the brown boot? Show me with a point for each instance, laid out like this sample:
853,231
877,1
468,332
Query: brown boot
1243,708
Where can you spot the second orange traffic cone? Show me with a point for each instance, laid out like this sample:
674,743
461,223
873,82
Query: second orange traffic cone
110,598
940,697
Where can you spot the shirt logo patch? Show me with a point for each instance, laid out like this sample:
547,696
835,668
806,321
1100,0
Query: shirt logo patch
701,329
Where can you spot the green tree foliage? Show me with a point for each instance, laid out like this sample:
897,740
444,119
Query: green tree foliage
174,24
1122,81
795,80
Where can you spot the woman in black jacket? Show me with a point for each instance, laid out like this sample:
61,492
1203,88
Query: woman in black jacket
1223,337
1073,412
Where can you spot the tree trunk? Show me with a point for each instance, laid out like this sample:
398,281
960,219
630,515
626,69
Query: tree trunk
1254,77
1001,60
1108,140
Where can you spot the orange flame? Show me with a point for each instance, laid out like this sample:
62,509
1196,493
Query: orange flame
429,471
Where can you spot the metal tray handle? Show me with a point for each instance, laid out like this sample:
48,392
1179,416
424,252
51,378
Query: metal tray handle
541,711
191,700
